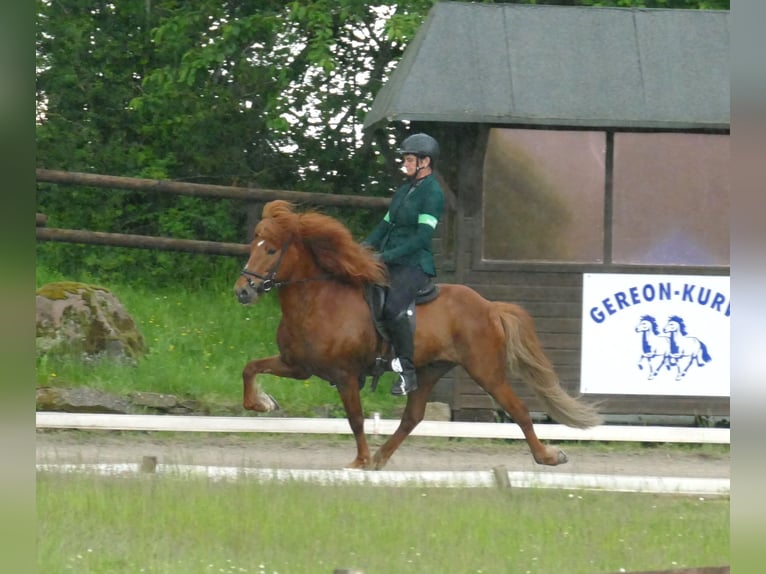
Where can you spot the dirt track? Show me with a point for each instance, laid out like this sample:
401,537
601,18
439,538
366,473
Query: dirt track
417,453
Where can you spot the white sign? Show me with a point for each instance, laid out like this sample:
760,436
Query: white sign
655,335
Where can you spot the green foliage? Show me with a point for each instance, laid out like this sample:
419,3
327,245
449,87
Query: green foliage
674,4
256,93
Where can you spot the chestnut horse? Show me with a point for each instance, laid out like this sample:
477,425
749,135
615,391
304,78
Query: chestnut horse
320,271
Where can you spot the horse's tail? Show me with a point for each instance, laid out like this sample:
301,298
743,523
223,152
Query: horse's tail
705,355
527,359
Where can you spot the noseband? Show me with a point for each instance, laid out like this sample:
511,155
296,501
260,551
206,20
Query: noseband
267,281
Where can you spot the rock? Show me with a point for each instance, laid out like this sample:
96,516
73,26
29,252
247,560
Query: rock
88,400
153,400
80,400
85,322
437,412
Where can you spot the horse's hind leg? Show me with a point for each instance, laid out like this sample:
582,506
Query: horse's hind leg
489,371
514,406
414,412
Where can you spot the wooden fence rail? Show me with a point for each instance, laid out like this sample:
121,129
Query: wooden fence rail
247,194
207,190
141,241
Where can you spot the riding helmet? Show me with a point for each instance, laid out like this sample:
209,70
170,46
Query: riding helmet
420,145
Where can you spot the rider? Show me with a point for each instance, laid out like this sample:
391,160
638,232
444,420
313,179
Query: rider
403,242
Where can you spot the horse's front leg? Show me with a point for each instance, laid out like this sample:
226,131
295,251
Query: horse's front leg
254,399
659,360
352,403
413,413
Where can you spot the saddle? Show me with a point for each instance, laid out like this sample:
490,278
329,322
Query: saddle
375,295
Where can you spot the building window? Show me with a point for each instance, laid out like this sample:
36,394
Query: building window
544,196
671,199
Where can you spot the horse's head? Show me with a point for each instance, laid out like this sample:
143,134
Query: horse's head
266,266
261,271
293,247
647,323
674,324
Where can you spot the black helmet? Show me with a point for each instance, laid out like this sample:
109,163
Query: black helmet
420,145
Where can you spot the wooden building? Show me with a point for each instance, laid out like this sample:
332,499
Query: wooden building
572,138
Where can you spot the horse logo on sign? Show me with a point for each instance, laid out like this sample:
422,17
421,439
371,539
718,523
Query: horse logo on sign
655,348
672,347
685,350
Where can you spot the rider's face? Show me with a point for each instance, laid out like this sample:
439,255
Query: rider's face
410,162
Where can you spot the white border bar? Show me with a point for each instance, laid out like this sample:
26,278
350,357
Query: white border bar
180,423
463,479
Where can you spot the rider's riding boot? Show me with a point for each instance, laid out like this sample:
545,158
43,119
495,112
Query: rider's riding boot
408,381
401,338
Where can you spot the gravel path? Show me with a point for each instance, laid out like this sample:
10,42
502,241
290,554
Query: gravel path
334,452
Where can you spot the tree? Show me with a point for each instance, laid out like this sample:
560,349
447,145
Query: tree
246,92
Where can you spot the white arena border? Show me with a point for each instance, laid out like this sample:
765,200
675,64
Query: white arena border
375,426
442,479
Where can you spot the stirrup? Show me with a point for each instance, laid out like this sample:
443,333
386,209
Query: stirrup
407,382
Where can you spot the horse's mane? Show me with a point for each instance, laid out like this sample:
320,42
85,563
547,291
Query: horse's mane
653,321
681,324
329,242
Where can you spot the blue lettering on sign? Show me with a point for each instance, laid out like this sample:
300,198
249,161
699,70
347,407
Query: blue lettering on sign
597,315
690,293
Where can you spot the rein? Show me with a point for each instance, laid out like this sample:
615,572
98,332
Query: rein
267,281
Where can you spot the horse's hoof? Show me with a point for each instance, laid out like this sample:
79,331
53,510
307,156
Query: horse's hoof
263,403
376,463
552,457
275,406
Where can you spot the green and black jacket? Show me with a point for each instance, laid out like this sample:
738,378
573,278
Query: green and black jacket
403,237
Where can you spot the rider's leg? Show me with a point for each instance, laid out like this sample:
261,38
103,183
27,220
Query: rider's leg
404,283
402,340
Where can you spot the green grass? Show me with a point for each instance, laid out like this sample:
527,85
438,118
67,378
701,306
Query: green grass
199,340
162,524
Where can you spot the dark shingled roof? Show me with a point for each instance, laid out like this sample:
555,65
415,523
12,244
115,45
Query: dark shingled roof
563,66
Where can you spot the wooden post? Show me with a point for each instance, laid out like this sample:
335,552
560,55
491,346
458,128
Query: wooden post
501,477
149,464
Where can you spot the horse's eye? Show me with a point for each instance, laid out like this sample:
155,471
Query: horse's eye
271,251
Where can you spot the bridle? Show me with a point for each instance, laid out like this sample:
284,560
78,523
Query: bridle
267,281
